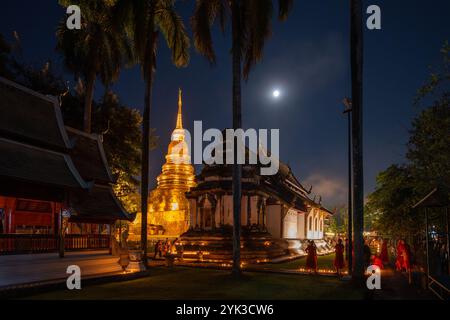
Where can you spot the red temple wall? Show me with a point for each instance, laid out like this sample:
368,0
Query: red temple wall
24,221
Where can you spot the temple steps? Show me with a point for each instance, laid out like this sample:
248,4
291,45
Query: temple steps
219,248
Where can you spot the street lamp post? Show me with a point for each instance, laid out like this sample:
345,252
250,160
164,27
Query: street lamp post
348,110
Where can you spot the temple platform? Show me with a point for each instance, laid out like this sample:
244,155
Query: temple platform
16,270
256,247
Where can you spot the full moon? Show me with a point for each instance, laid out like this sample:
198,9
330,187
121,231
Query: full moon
276,93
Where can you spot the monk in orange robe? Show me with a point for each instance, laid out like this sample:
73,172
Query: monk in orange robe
339,258
399,262
376,260
384,256
406,257
311,259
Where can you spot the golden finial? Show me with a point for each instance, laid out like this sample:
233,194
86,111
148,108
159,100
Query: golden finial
179,116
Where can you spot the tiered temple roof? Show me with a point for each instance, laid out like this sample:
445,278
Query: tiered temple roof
99,205
40,159
283,186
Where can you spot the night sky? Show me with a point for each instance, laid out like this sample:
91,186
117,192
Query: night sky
307,58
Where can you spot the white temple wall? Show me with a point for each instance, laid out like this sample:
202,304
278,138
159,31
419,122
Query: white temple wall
296,224
315,225
290,225
301,234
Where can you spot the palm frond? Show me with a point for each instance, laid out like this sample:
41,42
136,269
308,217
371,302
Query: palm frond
101,46
204,17
174,31
256,29
284,9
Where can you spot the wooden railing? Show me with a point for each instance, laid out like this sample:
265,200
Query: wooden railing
40,243
89,241
441,291
27,243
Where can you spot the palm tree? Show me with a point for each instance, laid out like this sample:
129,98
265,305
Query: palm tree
251,26
356,51
98,49
144,20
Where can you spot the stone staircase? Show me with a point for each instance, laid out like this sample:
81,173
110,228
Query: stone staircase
256,247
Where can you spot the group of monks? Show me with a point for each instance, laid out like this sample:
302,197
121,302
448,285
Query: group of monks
402,263
311,258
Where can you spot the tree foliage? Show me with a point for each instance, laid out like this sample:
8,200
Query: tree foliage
255,26
338,222
428,160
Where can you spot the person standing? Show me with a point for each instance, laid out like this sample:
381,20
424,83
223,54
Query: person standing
406,264
339,258
311,259
158,249
399,255
384,255
165,246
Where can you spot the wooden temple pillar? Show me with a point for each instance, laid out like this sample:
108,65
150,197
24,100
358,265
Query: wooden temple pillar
249,211
61,244
111,237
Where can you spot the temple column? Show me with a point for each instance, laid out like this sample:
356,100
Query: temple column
196,214
222,213
249,211
213,215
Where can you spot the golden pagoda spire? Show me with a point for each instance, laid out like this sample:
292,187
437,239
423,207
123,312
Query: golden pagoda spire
180,115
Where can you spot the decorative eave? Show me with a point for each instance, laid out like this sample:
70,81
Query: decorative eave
64,142
38,157
109,177
100,205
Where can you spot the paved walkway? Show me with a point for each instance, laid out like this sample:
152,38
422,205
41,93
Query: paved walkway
395,286
23,269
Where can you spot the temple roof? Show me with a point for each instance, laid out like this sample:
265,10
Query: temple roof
283,186
36,165
30,117
36,156
89,156
100,205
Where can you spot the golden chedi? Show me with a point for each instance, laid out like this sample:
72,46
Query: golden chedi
168,207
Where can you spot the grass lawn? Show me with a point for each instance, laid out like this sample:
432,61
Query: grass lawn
323,262
191,283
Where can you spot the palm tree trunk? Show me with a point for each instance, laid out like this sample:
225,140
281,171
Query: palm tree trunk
237,123
87,118
146,138
356,51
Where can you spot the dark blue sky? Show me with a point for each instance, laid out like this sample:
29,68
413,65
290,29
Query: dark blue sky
307,59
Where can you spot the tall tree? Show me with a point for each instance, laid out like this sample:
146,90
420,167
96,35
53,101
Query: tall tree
99,48
144,21
427,165
356,60
251,25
